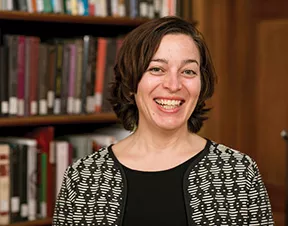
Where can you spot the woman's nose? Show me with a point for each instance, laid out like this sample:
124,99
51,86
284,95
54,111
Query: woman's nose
172,81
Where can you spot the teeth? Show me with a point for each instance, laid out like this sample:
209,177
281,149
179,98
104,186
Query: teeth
169,106
168,103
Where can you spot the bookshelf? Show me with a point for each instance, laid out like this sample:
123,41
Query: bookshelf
46,221
47,26
58,120
50,28
74,19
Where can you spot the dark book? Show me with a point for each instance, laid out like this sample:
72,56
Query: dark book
12,42
42,79
16,5
27,76
15,215
86,72
127,8
109,7
51,70
91,74
33,75
22,5
109,72
21,75
23,148
65,78
58,77
4,97
78,78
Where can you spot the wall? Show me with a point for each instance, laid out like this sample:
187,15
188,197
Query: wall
248,42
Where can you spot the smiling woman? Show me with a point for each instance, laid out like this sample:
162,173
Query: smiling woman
139,50
163,173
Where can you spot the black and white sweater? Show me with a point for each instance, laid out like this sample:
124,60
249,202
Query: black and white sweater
223,188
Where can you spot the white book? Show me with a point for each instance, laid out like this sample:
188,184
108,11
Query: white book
29,6
62,162
32,178
40,6
9,5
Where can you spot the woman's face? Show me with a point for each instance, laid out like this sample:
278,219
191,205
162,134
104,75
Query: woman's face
169,89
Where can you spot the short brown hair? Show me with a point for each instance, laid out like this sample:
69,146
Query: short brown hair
134,57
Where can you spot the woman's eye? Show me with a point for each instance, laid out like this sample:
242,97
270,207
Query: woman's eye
156,70
189,72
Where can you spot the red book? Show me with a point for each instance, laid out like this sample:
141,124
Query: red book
33,77
100,72
45,135
21,74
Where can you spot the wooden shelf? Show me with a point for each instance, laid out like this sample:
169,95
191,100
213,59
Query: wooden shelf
46,221
65,18
58,120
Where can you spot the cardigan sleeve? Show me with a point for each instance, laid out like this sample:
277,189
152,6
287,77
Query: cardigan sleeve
63,207
260,212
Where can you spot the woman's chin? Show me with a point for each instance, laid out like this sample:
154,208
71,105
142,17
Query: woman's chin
168,125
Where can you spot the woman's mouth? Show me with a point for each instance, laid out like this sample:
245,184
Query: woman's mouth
169,103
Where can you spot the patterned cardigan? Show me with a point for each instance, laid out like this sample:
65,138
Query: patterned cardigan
224,187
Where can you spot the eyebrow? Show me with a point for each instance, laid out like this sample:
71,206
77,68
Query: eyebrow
183,62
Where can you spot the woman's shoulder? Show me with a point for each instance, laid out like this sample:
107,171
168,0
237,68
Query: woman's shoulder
95,160
224,155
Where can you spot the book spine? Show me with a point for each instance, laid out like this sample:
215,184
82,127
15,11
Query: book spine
91,73
21,75
78,79
27,75
42,85
58,77
33,76
4,98
14,183
100,73
72,72
51,77
23,182
65,78
13,78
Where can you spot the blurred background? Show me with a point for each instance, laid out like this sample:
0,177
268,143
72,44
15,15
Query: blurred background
248,40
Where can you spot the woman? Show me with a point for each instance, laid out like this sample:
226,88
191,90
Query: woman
163,173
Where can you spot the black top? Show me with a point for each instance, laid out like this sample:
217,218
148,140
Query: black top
156,198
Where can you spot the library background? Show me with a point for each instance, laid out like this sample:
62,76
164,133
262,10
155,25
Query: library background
56,61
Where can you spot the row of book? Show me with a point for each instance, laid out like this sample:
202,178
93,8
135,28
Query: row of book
115,8
59,76
32,169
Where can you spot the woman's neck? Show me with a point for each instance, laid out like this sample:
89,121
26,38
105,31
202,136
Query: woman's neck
154,150
157,140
